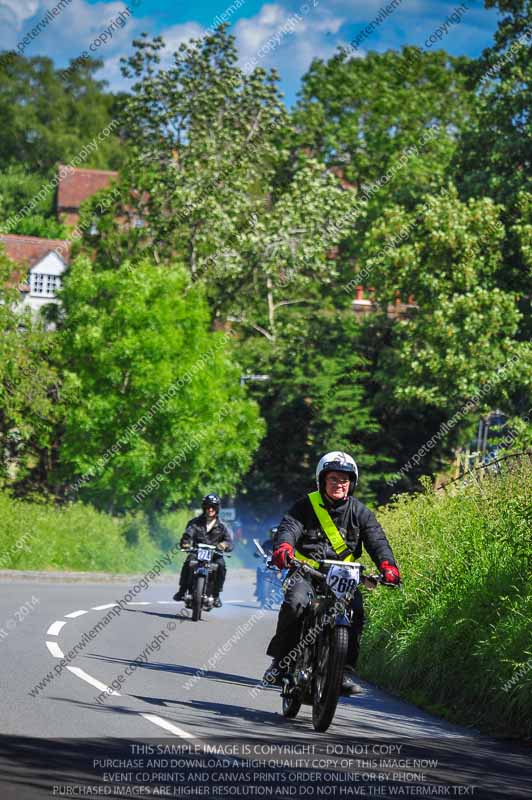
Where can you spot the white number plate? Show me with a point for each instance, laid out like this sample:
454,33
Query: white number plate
204,554
343,579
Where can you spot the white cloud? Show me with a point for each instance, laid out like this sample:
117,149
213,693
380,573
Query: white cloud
13,14
278,37
71,32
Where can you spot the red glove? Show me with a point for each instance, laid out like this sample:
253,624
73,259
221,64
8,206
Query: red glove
390,572
282,554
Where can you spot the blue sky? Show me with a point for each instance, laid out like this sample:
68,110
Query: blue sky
287,35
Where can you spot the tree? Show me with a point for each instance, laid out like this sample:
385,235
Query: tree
47,119
495,156
460,343
213,183
316,399
32,393
359,114
159,412
17,189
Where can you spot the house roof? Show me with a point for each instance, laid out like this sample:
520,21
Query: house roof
76,185
29,250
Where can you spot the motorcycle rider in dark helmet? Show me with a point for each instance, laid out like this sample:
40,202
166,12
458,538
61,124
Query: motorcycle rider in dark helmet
206,529
300,535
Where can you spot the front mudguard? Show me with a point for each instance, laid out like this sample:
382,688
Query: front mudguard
342,620
201,571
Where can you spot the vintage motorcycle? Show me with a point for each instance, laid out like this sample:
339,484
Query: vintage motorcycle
200,596
315,674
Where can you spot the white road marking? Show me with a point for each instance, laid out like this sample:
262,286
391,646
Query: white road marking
55,650
93,682
235,601
55,627
166,602
168,726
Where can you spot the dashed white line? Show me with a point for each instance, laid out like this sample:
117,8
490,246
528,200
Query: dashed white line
166,602
93,682
55,627
168,726
55,650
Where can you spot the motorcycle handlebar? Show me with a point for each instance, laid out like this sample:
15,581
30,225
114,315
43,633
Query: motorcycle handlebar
369,581
195,550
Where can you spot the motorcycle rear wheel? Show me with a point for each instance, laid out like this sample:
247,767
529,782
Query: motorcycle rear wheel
332,654
197,598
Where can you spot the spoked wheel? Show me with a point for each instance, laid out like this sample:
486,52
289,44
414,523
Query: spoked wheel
332,654
197,598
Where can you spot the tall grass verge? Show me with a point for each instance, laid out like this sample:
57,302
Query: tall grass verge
458,639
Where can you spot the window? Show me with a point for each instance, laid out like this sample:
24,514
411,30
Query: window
45,285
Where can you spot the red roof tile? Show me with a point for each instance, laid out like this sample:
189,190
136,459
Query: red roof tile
78,184
28,250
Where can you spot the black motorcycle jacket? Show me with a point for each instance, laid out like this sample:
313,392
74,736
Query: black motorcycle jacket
357,524
196,533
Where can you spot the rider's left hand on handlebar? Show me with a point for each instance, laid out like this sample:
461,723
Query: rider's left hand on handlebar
222,546
390,573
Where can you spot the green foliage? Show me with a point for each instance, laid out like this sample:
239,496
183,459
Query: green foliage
464,325
315,400
462,627
46,120
494,157
75,537
136,344
32,394
214,182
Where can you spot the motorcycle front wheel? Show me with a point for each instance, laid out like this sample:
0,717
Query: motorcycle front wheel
197,598
331,657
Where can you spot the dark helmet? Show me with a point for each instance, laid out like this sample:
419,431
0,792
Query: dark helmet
211,500
337,461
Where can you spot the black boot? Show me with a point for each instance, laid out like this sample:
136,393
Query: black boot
348,684
274,674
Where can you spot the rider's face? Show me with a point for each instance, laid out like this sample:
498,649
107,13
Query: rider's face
337,485
210,511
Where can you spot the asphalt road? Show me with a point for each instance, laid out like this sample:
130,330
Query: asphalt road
171,730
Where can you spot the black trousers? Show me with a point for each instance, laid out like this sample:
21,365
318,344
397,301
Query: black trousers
189,566
298,595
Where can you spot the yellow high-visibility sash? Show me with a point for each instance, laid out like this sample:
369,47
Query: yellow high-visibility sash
334,536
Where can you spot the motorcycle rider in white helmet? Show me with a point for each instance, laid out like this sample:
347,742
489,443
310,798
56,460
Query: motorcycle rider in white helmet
300,535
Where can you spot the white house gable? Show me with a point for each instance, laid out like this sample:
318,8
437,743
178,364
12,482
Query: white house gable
45,279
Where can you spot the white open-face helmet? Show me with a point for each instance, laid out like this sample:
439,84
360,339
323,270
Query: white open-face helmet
338,462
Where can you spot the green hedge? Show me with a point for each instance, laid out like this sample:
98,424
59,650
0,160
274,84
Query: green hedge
77,537
458,639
